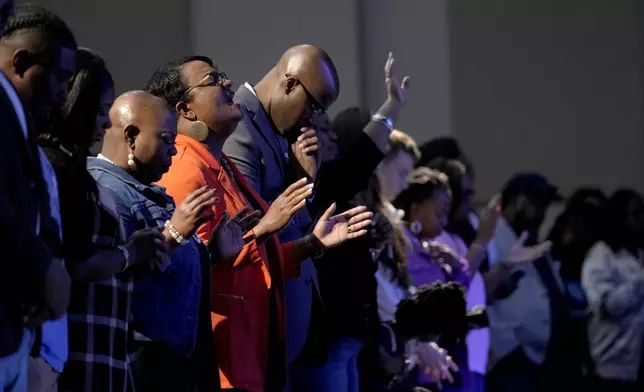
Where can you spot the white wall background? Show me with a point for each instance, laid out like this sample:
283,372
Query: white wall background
548,85
134,37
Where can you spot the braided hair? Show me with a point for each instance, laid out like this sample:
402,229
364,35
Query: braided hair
51,30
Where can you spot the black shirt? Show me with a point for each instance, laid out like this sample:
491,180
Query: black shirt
346,273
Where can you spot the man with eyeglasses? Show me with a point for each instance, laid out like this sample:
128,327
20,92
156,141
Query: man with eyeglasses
275,143
277,111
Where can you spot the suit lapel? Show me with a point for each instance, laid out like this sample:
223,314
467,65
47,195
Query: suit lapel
255,114
28,145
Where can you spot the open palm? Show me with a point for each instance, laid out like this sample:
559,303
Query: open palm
519,253
396,90
331,231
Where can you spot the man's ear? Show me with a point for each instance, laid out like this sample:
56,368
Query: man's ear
183,110
131,132
22,61
290,84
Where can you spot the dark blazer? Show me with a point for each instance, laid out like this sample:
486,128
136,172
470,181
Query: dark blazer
25,257
262,157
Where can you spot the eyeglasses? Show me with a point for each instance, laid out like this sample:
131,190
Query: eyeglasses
214,78
316,108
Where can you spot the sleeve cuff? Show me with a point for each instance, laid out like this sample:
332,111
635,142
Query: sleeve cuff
291,266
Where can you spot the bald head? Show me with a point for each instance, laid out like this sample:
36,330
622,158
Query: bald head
143,126
314,68
134,107
301,86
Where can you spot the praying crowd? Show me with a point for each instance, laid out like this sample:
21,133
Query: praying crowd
192,237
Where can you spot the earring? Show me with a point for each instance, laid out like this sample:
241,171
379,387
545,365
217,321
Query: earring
416,227
199,131
130,159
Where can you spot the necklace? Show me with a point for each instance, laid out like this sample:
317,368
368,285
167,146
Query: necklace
106,159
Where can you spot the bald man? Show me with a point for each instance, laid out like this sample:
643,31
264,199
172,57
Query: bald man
301,86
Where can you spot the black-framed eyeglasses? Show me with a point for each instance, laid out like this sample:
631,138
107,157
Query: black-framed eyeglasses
213,78
316,108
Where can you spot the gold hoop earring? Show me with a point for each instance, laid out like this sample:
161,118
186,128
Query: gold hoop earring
199,131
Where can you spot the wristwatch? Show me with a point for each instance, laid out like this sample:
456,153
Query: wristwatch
314,249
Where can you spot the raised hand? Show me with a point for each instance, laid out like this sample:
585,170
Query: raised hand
283,208
396,90
227,238
434,361
306,151
331,231
147,247
246,218
445,256
519,253
489,220
189,215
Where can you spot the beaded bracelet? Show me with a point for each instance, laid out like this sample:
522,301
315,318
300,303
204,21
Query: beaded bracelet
174,233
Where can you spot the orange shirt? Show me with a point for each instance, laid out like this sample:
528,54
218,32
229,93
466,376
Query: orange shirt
240,286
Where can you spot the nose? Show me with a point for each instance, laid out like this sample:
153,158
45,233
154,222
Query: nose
172,151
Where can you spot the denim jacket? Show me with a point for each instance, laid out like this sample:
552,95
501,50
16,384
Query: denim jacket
165,303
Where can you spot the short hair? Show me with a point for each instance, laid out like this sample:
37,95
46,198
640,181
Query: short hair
400,141
434,310
423,183
348,126
78,113
51,30
584,217
616,232
455,171
534,186
169,83
440,147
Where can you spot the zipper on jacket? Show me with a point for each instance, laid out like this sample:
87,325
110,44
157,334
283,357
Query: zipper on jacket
238,297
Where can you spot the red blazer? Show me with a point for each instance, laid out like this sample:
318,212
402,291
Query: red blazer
241,286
